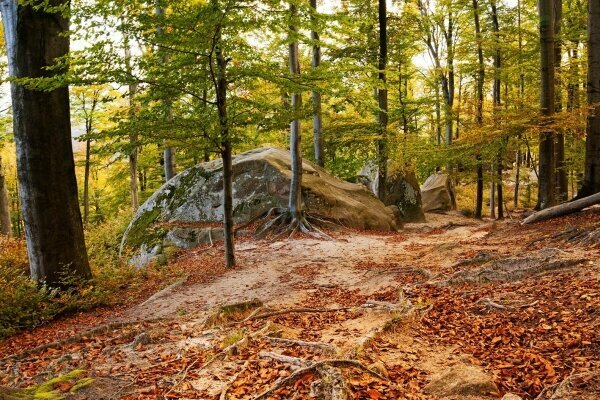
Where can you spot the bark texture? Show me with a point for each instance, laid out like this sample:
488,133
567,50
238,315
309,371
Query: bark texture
547,160
479,108
591,179
4,205
46,169
221,88
382,99
295,199
316,95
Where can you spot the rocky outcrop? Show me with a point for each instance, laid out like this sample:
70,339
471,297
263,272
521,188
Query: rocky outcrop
181,212
402,191
437,194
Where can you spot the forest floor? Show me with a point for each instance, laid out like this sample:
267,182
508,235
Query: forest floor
453,308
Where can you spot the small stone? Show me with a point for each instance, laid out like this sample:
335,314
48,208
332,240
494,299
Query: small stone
511,396
461,380
140,340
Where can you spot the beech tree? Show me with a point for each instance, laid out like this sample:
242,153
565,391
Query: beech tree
591,177
36,39
547,176
382,101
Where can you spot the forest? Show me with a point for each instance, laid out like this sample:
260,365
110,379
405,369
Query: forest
300,199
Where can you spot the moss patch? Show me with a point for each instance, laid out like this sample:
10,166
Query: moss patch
53,389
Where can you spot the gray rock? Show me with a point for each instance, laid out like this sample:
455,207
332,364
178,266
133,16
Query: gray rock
437,194
177,215
461,380
402,191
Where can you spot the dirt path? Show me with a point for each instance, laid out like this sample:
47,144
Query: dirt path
453,309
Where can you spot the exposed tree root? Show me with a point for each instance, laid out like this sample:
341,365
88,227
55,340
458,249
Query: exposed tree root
280,222
99,330
226,388
317,345
576,386
514,269
294,310
320,368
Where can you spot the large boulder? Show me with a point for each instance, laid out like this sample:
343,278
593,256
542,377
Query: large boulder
402,191
437,194
181,212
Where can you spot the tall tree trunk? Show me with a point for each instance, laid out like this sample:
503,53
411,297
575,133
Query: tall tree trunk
479,108
521,97
382,97
221,84
562,181
497,95
86,182
449,86
42,128
4,204
295,199
547,159
169,152
318,141
591,177
133,139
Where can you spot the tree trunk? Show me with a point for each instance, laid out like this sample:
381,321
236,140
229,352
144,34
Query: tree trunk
42,128
479,108
316,95
497,95
547,161
133,140
221,93
382,97
517,176
449,87
86,182
295,199
169,152
562,181
4,204
591,177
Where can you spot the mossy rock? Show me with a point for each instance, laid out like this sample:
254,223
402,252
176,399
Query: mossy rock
183,207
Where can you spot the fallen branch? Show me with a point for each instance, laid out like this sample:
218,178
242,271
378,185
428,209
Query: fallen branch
564,209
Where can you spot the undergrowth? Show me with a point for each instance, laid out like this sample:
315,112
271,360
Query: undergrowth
26,305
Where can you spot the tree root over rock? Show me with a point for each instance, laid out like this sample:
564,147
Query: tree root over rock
281,222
